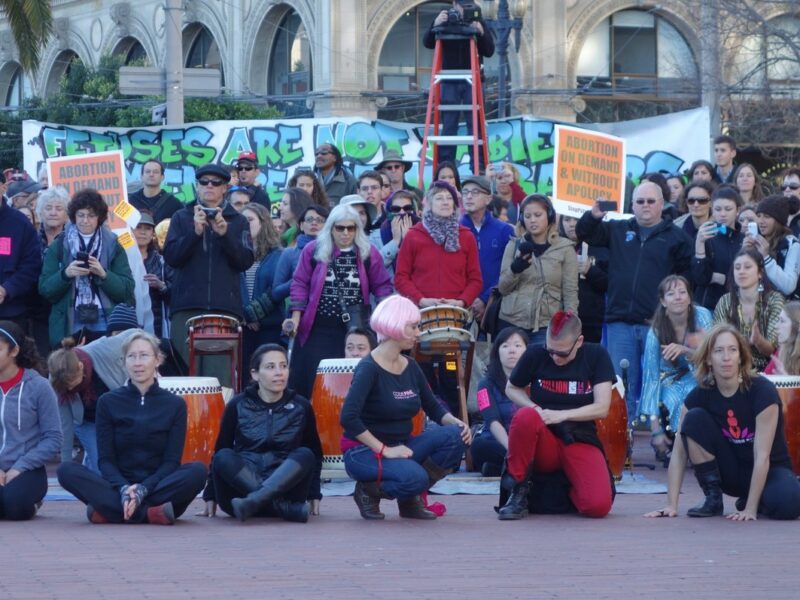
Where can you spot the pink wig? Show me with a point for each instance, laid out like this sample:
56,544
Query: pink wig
391,316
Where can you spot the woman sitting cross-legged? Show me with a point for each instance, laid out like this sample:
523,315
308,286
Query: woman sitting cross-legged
30,428
268,456
388,390
141,429
732,431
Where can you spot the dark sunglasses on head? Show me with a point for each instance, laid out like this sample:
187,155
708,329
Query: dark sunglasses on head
214,182
244,168
397,209
790,186
343,228
697,200
642,201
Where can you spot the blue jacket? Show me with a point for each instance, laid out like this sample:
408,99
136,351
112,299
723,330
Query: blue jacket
265,275
636,266
284,272
492,239
20,261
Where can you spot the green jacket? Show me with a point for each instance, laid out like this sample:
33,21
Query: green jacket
59,290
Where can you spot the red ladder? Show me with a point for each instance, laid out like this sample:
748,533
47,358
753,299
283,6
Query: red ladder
478,139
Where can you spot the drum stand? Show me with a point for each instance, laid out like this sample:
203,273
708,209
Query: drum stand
425,351
210,339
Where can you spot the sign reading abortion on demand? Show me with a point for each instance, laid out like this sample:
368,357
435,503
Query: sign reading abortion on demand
587,166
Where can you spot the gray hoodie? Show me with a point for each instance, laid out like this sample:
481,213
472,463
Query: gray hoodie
30,428
107,360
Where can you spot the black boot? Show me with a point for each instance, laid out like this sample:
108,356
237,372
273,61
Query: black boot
414,508
283,479
517,505
295,512
367,497
246,481
435,472
708,477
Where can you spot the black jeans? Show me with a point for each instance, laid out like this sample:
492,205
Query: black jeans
179,487
486,449
18,499
227,464
781,496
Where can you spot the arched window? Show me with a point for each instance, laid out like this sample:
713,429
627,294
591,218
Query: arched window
60,70
203,50
782,51
290,69
405,67
132,52
14,85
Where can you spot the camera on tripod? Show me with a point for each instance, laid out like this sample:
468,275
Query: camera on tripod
458,23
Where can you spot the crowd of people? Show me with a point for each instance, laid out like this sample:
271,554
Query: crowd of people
684,301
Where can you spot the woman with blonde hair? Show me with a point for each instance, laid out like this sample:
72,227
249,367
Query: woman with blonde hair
786,360
335,277
749,183
539,272
732,431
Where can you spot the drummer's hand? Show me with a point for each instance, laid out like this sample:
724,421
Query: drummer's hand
453,302
664,512
209,510
313,507
477,308
552,417
289,326
400,451
427,302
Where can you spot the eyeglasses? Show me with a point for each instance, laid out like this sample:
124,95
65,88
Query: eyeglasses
322,152
393,166
472,191
560,353
369,188
790,186
244,168
343,228
139,356
398,209
643,201
698,200
314,220
206,182
85,216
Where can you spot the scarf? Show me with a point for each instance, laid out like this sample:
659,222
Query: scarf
443,230
84,286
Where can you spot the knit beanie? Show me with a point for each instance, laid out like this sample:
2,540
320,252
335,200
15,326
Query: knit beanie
122,318
776,207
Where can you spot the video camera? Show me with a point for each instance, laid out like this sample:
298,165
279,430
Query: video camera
457,24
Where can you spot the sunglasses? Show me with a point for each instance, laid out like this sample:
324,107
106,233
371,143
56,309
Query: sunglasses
343,228
560,353
322,152
698,200
314,220
643,201
243,168
393,167
398,209
790,186
214,182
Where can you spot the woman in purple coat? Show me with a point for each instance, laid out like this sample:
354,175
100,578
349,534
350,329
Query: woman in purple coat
335,278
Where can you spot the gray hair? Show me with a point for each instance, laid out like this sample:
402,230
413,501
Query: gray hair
343,212
51,194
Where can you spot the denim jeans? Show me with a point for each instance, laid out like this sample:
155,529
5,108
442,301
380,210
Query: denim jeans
627,341
405,477
86,433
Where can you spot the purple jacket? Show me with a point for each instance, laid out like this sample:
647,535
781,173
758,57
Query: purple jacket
309,279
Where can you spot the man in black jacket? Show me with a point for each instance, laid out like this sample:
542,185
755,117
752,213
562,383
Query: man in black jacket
208,245
642,251
161,204
455,56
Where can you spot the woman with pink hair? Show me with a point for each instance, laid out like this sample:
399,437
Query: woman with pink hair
388,390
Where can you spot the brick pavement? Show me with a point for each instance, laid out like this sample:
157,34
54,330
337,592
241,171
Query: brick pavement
466,554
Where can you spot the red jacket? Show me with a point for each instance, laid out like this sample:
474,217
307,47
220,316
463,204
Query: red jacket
425,270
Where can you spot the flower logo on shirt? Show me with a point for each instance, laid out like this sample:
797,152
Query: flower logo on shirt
734,433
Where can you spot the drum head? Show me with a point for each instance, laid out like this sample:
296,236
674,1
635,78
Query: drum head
445,334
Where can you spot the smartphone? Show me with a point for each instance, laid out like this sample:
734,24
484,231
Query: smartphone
211,213
752,229
721,230
607,205
83,257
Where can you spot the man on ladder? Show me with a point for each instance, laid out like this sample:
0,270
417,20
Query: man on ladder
455,28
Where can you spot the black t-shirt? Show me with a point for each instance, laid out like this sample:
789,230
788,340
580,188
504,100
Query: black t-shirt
736,417
565,387
385,403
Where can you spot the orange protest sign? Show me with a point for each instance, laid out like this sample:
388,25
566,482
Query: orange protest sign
587,165
102,171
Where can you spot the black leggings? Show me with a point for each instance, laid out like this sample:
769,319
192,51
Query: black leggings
179,487
18,499
781,496
229,484
486,449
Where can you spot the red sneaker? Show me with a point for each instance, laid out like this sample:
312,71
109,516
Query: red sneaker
94,516
161,514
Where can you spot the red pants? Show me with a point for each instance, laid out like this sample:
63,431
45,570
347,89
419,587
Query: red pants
531,445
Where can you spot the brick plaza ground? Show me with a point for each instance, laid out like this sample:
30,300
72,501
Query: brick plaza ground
466,554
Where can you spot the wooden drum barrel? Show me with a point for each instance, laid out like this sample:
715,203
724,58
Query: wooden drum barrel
789,391
613,432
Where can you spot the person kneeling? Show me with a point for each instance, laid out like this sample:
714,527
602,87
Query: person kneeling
570,387
388,390
141,429
732,431
268,456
